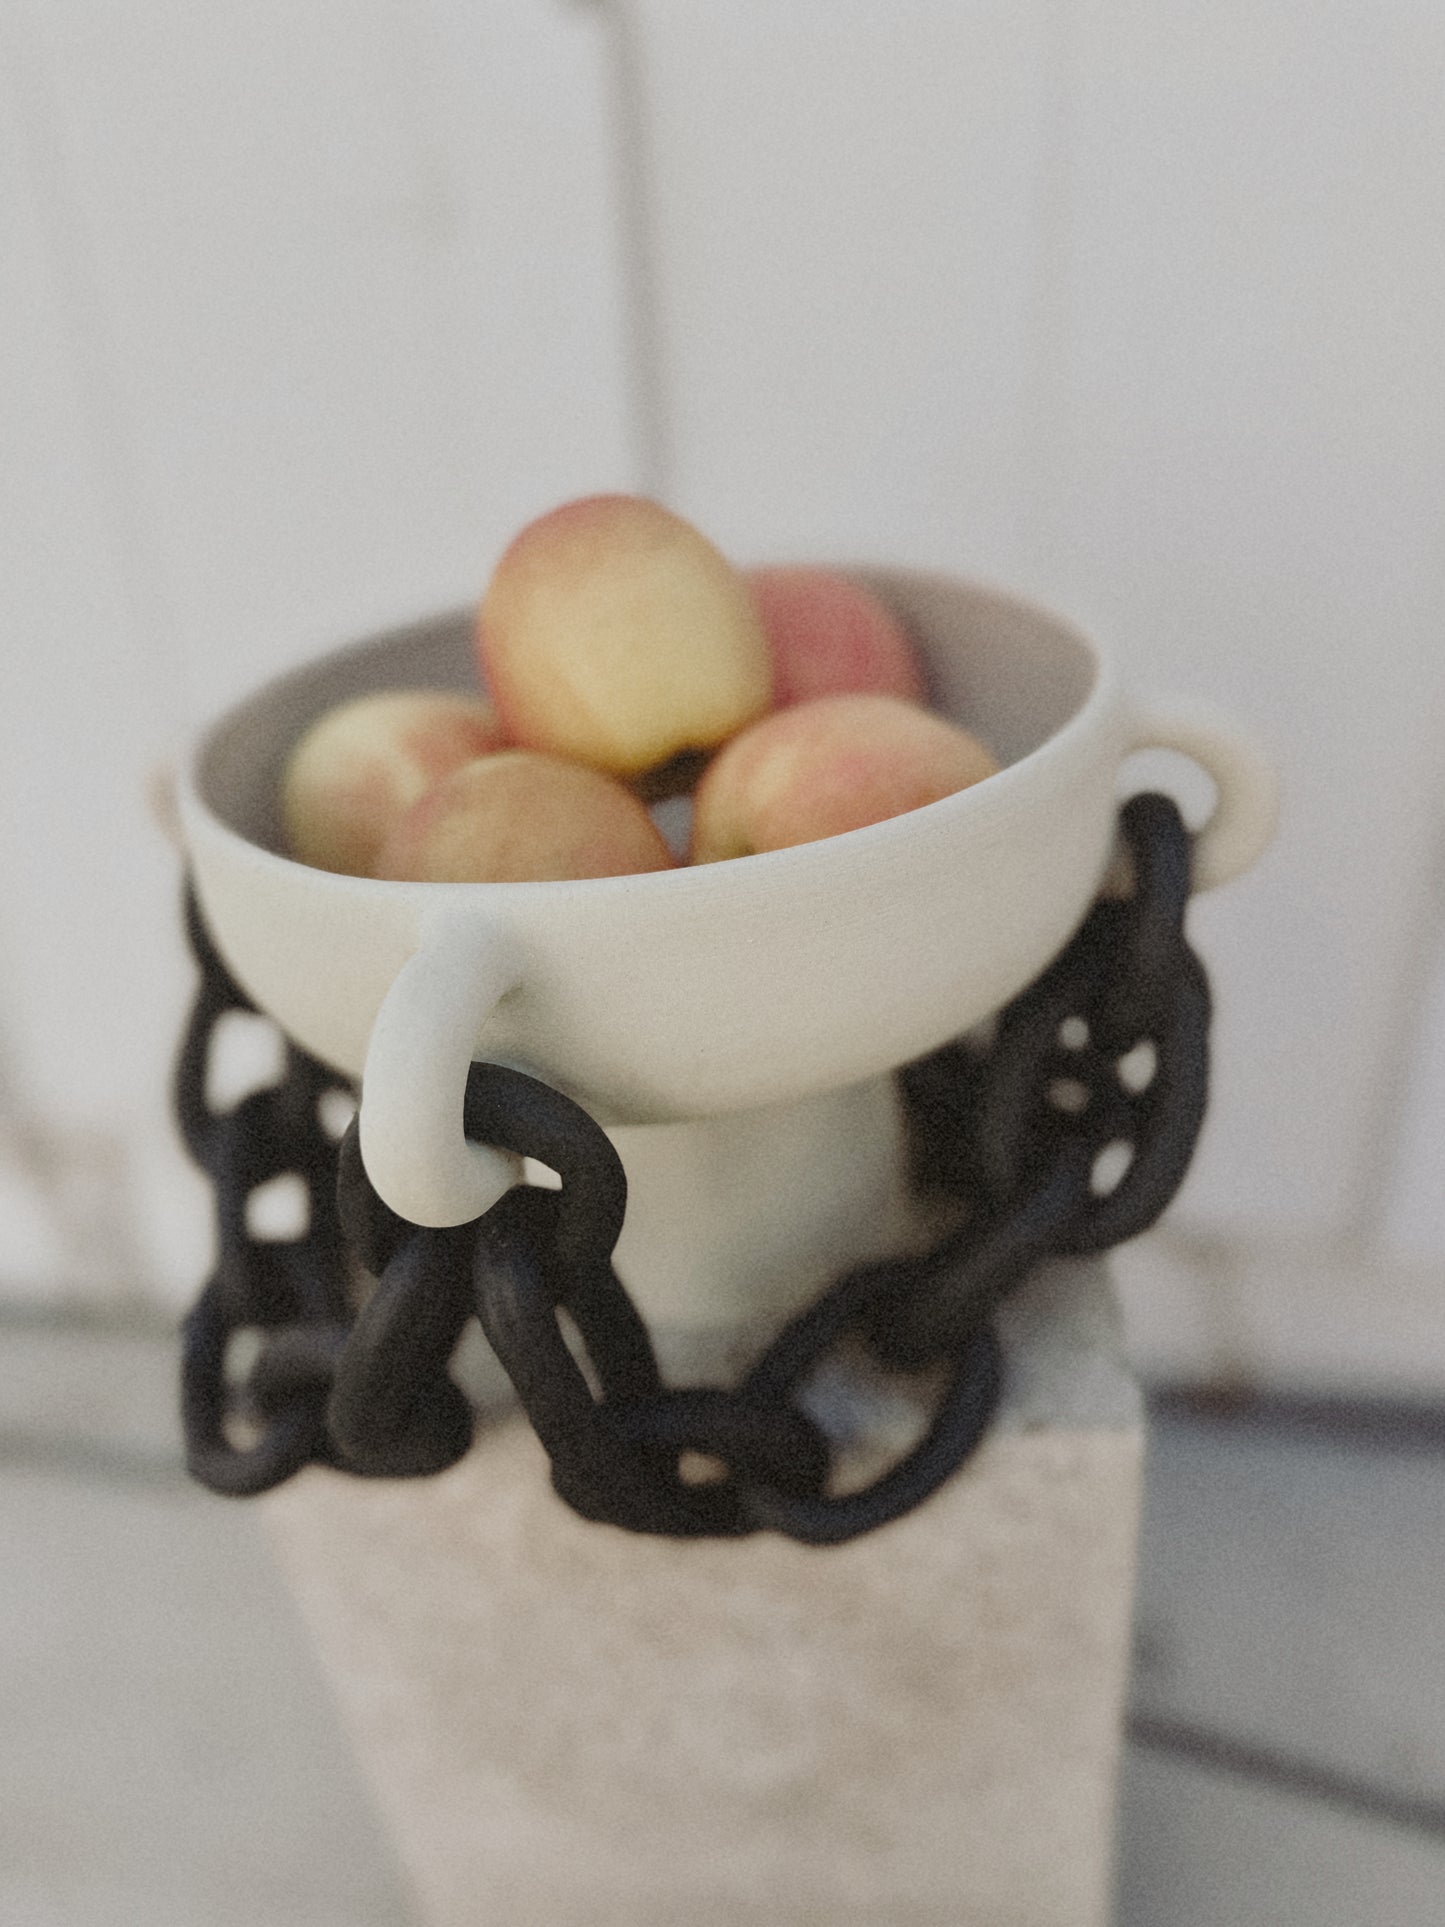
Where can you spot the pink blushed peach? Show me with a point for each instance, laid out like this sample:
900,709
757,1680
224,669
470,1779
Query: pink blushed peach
825,767
830,636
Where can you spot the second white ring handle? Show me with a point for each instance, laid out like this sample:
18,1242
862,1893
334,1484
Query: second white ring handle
1247,804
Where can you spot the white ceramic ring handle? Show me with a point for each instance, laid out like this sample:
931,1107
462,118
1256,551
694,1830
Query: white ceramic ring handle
414,1084
1247,805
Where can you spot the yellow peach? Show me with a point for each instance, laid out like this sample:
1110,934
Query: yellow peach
522,817
614,633
363,764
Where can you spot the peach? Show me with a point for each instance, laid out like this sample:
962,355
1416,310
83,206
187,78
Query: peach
520,817
830,636
822,767
614,633
364,764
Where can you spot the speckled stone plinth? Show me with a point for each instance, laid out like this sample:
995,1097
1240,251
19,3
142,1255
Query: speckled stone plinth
569,1726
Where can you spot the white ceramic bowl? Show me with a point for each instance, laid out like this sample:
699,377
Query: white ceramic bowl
692,992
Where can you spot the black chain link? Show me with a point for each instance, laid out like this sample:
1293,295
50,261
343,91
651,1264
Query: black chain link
291,1295
1104,1057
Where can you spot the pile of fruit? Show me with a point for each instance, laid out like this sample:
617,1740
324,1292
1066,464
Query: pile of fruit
627,662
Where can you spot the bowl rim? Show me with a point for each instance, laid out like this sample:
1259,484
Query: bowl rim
986,803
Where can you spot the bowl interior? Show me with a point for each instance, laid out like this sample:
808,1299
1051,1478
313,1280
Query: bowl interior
1012,673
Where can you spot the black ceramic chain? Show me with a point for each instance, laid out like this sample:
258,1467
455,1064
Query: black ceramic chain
1064,1131
288,1297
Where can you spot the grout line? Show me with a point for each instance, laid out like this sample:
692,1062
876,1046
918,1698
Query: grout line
1397,1082
36,97
638,255
1048,412
93,1462
1263,1766
1347,1424
101,1318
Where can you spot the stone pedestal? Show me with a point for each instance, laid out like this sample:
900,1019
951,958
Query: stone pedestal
568,1726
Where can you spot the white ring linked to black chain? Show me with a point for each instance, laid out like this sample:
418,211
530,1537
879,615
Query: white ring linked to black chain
367,1388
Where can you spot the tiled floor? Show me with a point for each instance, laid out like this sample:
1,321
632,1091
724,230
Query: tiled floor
1288,1761
169,1756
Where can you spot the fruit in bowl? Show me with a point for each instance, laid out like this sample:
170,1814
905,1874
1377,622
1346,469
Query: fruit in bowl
614,633
831,636
824,767
522,817
626,661
363,764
